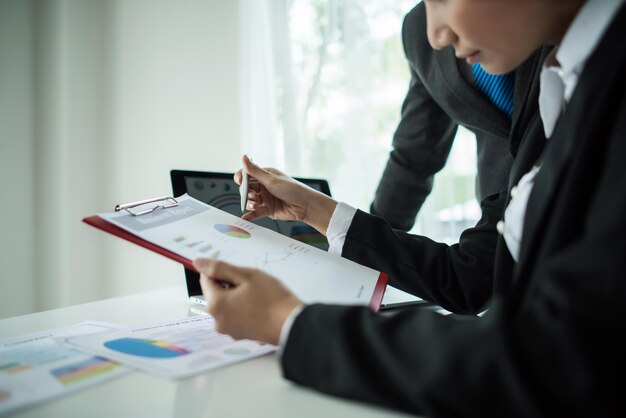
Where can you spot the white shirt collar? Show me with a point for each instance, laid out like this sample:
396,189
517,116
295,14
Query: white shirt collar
565,64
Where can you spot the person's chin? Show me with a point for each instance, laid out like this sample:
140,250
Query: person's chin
495,67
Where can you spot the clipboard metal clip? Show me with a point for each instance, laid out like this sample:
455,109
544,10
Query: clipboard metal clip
167,202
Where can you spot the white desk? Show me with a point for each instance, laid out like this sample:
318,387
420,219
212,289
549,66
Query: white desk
253,388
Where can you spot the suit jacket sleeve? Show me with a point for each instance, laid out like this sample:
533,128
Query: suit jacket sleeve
548,347
421,145
457,277
555,353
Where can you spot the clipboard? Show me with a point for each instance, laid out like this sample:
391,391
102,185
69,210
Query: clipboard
137,209
161,202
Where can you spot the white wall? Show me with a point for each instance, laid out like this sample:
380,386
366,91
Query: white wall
176,95
105,97
16,159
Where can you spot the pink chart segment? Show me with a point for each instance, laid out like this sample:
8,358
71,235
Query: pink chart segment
232,231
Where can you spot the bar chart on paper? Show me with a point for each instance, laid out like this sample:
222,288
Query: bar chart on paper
34,368
83,370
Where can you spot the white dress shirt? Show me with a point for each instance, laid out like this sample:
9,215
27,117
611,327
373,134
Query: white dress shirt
559,78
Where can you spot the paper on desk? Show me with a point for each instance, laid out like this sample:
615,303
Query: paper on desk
172,349
194,229
34,368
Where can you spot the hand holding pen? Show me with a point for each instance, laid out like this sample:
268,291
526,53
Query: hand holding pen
272,193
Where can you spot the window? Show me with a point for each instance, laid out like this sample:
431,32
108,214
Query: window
346,76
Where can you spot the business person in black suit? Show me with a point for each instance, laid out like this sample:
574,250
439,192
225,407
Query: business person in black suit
549,343
443,95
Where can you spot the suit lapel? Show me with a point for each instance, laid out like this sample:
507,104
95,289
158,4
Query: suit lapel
492,119
556,155
531,147
526,96
554,162
526,134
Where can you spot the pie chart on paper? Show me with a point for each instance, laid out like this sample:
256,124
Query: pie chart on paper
232,231
145,348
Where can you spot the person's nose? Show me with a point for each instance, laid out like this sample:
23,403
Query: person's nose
439,34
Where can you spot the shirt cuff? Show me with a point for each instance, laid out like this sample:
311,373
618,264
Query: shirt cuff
286,329
338,227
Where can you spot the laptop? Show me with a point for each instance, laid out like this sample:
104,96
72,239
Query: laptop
220,191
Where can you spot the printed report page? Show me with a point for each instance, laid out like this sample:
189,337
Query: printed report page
193,229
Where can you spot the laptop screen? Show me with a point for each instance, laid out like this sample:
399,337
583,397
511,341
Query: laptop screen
220,190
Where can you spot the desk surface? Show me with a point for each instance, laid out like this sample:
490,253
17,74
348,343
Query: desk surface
254,388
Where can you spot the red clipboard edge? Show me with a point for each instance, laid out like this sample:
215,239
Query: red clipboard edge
379,292
103,225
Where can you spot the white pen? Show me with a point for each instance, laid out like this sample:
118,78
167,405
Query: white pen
244,190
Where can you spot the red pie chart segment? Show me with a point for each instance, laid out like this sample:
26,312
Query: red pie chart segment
232,231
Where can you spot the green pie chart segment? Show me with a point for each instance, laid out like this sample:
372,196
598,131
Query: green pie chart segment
232,231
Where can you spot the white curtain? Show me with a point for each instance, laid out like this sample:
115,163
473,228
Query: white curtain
51,141
98,101
270,127
314,101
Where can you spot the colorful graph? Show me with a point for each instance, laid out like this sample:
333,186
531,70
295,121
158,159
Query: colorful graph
232,231
12,368
73,373
25,358
205,248
146,348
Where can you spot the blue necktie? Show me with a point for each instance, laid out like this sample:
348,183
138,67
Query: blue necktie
498,88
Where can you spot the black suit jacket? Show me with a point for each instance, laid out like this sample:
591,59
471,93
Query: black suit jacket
551,343
438,100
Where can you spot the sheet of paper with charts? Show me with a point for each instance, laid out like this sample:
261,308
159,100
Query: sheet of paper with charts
34,368
173,349
193,229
